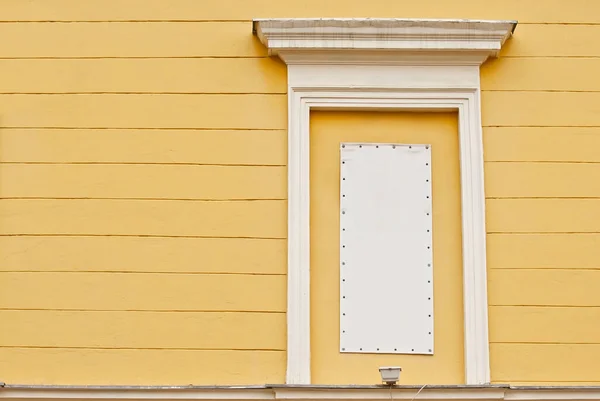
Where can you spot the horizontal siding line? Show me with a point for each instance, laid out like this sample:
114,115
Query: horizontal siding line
543,342
543,232
149,94
127,57
236,21
546,306
167,93
6,128
144,348
548,57
262,199
570,269
209,21
252,129
536,90
143,310
230,57
561,23
541,126
142,164
541,197
143,199
146,128
137,236
543,306
265,93
539,161
174,273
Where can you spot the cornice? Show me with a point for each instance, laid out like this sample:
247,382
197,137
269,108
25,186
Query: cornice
299,393
383,41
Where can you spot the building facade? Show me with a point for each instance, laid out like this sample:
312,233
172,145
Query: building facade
173,181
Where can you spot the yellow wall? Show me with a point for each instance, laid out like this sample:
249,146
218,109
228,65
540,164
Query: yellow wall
328,130
142,177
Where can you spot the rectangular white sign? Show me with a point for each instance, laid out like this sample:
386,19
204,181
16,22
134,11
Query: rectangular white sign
386,255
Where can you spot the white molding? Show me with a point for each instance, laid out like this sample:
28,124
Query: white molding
320,393
466,102
382,41
552,393
133,393
387,64
398,393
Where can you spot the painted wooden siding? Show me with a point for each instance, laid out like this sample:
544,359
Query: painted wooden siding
141,366
143,203
540,110
147,137
137,146
526,11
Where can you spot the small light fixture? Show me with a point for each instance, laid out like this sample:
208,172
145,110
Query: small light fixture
390,374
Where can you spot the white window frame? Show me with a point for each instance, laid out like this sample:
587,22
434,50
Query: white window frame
383,65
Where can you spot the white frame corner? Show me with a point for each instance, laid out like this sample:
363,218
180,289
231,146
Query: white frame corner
427,65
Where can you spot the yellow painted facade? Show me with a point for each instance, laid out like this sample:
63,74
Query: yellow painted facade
143,186
440,130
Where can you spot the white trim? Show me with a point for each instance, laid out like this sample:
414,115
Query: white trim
134,393
321,393
473,221
339,64
382,41
426,394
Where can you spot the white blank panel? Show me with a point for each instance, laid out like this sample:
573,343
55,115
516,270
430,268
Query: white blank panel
386,257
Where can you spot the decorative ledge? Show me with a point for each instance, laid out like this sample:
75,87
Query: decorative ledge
297,393
383,41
